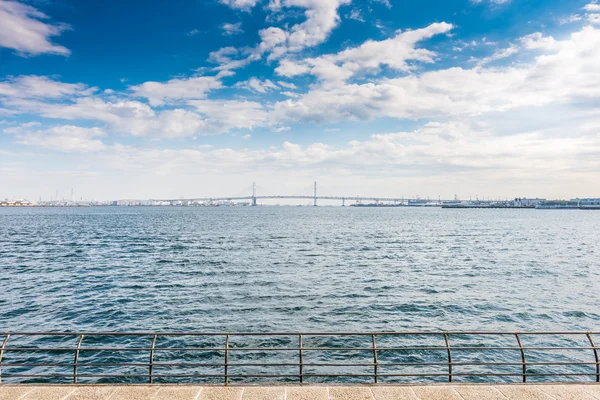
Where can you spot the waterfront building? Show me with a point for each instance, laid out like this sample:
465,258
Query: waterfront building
588,203
559,205
524,202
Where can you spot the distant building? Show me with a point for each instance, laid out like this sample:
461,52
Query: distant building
526,202
559,205
588,203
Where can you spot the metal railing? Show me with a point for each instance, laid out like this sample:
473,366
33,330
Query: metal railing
247,358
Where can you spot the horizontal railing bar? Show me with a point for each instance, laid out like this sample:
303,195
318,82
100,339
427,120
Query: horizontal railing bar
282,375
294,333
432,348
424,364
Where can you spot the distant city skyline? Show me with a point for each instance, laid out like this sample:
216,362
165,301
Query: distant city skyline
143,100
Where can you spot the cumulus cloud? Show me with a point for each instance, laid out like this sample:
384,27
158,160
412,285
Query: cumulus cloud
225,115
450,149
245,5
33,86
539,41
492,2
26,30
571,18
457,91
499,55
368,57
159,93
65,138
321,18
256,85
230,58
287,85
592,7
232,29
122,116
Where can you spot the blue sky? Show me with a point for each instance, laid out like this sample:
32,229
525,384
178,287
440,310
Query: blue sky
147,99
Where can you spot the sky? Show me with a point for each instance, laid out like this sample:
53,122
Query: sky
190,98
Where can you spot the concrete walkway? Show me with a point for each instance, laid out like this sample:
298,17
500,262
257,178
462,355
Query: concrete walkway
445,392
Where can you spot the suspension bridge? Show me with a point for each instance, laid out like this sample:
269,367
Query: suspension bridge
254,198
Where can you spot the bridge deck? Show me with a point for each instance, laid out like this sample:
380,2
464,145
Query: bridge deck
442,392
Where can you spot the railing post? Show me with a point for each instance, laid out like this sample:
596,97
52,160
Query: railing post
226,360
375,366
2,353
151,366
449,357
301,365
524,361
595,356
76,360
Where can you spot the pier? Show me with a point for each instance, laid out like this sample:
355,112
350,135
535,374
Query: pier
189,392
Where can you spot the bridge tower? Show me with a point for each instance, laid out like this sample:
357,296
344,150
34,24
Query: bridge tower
254,193
315,195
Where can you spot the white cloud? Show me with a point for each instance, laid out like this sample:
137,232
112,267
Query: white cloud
256,85
569,74
539,41
592,8
66,138
384,2
33,86
321,18
571,18
592,13
291,68
122,116
159,93
245,5
287,85
499,54
225,115
593,19
492,2
24,30
368,57
193,32
230,58
232,29
355,15
434,152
